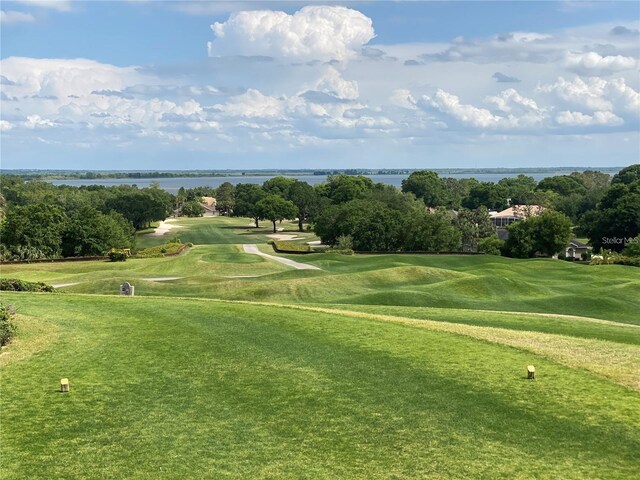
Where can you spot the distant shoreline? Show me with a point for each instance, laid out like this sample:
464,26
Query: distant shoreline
50,174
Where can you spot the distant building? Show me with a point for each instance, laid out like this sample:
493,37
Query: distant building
576,249
515,213
209,204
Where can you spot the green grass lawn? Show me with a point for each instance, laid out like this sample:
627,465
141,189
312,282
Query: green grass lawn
165,387
220,230
375,366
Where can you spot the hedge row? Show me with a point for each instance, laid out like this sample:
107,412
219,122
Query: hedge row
15,285
168,249
285,246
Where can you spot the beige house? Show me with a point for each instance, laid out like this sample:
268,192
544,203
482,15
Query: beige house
576,249
209,204
515,213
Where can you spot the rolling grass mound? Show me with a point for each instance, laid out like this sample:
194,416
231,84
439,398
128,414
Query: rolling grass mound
375,366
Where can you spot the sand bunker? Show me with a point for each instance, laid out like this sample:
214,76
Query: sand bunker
163,228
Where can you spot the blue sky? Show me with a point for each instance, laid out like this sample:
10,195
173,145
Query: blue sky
175,85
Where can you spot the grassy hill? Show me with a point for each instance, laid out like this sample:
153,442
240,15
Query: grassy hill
379,366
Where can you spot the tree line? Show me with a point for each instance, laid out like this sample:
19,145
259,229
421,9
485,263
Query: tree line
428,213
40,220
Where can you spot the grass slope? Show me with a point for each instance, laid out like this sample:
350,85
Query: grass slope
165,387
375,366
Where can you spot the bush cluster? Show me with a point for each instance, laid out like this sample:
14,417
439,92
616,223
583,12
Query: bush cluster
117,255
285,246
15,285
7,327
160,250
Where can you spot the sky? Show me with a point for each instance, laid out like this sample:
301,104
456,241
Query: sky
161,85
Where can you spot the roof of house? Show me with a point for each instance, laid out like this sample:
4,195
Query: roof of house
576,244
520,211
208,201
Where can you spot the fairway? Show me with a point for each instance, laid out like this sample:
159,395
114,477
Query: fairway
372,366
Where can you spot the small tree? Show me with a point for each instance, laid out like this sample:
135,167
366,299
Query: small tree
275,208
490,246
552,232
192,208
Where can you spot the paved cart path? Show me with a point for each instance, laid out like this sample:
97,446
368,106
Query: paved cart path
253,249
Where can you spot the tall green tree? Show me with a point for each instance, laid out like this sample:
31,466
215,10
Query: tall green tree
38,226
426,185
552,232
431,232
225,198
547,234
275,208
305,199
90,232
141,207
473,226
247,197
616,218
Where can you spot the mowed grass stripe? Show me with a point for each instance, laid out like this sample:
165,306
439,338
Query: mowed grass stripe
569,325
173,388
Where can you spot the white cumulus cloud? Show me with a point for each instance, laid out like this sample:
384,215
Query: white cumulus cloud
312,33
592,63
59,5
10,17
333,84
595,94
579,119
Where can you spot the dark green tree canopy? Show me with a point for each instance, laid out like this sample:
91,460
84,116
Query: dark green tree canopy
547,234
344,188
90,232
616,218
562,185
39,226
278,186
427,186
627,175
487,194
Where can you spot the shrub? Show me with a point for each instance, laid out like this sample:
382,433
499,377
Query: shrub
607,257
344,242
7,327
490,245
290,247
15,285
160,250
117,255
338,251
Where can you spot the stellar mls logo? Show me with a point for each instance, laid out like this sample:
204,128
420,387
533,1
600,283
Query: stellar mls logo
619,240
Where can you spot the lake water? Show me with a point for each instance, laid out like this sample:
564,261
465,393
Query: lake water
173,184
